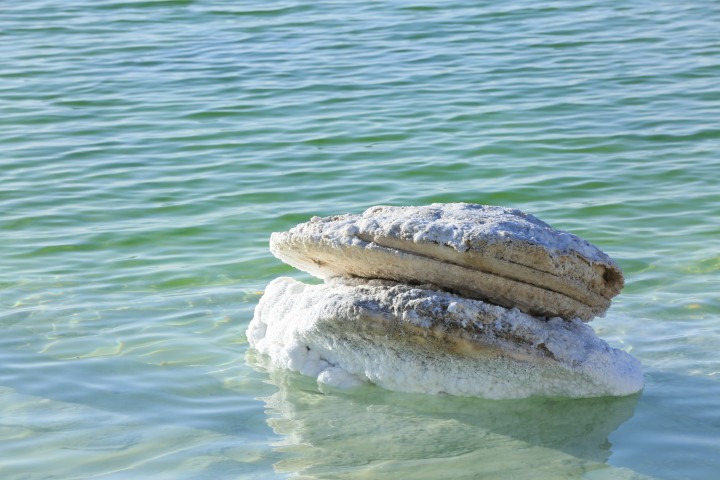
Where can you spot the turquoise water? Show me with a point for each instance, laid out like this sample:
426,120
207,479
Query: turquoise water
150,147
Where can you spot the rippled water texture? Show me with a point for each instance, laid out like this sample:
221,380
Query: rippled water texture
148,149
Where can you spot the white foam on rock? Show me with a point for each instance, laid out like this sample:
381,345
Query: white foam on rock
415,339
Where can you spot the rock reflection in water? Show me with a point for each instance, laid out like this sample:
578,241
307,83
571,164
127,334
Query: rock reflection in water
369,432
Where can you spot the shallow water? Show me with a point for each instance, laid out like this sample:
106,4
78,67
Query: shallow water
150,147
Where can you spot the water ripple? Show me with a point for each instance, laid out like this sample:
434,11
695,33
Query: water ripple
150,147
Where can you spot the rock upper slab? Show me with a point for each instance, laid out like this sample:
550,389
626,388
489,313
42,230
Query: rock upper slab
492,253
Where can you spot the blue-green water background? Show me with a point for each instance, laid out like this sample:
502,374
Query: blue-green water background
148,149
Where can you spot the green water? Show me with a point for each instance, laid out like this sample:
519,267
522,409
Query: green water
148,149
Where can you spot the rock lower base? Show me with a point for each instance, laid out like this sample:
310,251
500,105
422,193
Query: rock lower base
421,340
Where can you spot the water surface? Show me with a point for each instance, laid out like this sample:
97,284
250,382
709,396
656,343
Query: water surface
150,147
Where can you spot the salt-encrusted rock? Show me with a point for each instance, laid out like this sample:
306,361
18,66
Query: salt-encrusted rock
500,255
413,339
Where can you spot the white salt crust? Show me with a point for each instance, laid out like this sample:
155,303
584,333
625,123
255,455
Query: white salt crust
457,225
414,339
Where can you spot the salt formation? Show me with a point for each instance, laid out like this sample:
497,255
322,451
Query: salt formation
449,298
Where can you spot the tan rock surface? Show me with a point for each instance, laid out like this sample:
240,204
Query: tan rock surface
496,254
